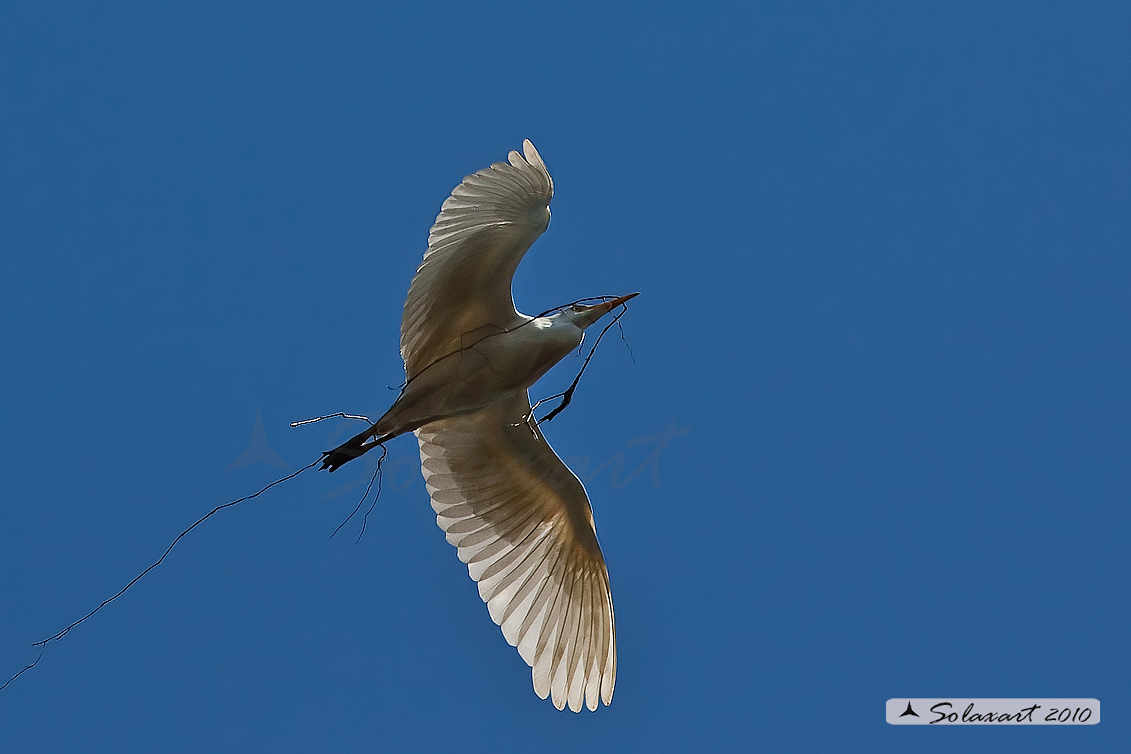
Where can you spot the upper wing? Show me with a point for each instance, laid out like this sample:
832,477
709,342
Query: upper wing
464,283
522,523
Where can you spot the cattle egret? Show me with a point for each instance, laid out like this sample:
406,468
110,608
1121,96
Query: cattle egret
519,518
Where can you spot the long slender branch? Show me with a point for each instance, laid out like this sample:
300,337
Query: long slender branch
42,644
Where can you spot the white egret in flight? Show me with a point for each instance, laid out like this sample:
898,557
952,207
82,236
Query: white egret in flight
519,518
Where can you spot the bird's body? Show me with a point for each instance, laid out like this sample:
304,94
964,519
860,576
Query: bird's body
490,367
517,515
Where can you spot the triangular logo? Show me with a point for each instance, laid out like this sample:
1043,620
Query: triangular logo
909,711
258,451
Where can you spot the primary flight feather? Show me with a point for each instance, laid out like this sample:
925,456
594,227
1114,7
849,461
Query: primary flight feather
518,517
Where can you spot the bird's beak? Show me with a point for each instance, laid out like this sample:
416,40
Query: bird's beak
595,312
607,306
620,300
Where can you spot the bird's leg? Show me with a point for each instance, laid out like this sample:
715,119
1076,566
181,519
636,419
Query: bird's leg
529,420
355,447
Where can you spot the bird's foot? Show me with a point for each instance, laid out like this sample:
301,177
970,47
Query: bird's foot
566,396
355,447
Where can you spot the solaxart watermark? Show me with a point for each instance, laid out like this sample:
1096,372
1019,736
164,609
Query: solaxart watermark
959,711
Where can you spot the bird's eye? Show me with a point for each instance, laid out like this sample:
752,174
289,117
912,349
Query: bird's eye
576,307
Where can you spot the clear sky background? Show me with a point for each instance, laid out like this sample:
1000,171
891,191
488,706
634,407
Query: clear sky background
884,260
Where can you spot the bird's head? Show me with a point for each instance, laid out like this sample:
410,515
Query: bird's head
583,316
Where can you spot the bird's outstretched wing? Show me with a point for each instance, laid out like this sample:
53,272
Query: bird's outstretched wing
462,289
521,521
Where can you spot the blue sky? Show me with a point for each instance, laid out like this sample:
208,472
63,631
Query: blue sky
883,256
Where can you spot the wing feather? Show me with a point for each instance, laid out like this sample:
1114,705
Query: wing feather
559,686
593,671
552,636
521,521
575,680
530,632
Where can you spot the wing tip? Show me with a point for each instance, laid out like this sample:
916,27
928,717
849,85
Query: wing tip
530,153
535,160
